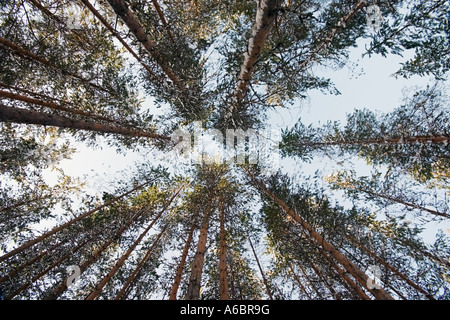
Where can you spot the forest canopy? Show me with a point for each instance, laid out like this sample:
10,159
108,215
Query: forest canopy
220,205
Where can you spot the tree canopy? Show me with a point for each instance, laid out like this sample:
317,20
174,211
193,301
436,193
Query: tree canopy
210,211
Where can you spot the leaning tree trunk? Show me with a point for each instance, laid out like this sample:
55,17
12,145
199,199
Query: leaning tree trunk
124,12
264,22
18,50
349,266
61,106
98,288
19,115
390,267
122,294
261,271
67,224
118,36
58,290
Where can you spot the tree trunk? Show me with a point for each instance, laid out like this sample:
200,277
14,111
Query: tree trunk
354,286
67,224
193,292
118,36
405,203
179,273
319,274
297,279
63,286
390,267
395,140
332,34
163,20
47,270
264,22
16,270
18,115
27,54
349,266
122,293
125,256
311,284
52,105
266,284
223,276
122,10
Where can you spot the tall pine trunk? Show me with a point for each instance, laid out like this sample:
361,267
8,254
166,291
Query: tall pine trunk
264,21
179,273
58,290
47,270
61,106
122,294
223,275
349,266
390,267
193,292
118,36
405,203
392,141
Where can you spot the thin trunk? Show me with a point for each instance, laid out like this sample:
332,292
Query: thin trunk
349,266
47,12
266,284
354,286
30,262
163,20
23,203
193,292
264,21
27,54
19,115
395,140
63,286
390,267
122,10
297,279
125,256
232,285
332,34
52,105
179,273
117,35
311,284
405,203
67,224
319,274
122,293
223,276
47,270
428,254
